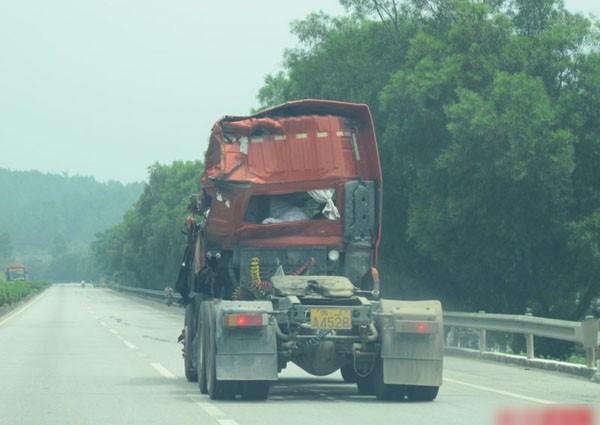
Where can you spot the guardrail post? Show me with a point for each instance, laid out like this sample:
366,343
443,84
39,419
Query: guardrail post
530,346
590,339
529,343
482,337
450,337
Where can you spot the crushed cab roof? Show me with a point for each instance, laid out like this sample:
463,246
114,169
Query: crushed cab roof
299,140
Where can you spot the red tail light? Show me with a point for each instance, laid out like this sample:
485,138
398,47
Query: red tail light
244,320
416,327
422,328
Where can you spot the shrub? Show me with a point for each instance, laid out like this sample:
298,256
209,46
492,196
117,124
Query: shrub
12,292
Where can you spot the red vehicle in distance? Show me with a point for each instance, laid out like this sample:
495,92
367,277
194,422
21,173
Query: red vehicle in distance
15,272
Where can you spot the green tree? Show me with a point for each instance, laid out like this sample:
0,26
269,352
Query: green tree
146,247
497,198
488,128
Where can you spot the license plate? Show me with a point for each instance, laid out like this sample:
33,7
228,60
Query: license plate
330,318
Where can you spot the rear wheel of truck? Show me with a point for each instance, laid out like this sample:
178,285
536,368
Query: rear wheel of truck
365,385
189,329
421,393
217,390
348,373
386,391
255,390
374,384
201,348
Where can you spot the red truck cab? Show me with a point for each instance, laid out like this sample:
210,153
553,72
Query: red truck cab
301,179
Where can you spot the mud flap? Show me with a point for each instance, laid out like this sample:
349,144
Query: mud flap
412,342
245,354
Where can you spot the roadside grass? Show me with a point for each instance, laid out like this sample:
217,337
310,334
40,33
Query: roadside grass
12,292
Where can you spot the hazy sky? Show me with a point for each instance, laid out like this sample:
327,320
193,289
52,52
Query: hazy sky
107,87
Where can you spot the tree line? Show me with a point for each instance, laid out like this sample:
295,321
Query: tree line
146,248
489,132
48,220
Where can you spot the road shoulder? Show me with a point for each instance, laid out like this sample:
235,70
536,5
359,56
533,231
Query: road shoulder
7,311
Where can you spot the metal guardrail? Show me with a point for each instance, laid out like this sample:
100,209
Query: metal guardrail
154,293
584,332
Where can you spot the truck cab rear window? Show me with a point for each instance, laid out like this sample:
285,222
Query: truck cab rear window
289,207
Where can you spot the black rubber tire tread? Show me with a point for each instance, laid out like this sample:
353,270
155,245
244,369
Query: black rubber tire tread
217,390
365,386
201,350
382,391
191,374
255,390
348,373
421,393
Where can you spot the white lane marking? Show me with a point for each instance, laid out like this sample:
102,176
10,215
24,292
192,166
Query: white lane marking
227,422
103,323
22,309
112,331
501,392
210,409
129,344
163,370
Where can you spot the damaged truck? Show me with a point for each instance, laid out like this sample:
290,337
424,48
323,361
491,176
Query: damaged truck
281,261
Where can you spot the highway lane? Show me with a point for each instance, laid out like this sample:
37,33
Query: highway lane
90,356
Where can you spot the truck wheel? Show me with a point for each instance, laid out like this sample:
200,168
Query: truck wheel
255,390
385,391
348,373
421,393
365,384
191,373
217,390
201,349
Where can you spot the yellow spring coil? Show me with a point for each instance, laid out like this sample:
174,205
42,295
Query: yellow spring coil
255,270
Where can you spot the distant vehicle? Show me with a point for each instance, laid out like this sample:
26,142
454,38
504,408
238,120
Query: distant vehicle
281,261
15,272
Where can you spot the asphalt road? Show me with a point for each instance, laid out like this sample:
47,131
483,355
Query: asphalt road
88,356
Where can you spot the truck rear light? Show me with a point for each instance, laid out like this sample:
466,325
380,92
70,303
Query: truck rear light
244,320
416,327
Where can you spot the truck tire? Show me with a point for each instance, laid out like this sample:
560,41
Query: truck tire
201,348
189,330
217,390
421,393
365,385
348,373
255,390
373,384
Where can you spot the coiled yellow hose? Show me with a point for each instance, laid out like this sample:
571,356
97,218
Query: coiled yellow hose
255,270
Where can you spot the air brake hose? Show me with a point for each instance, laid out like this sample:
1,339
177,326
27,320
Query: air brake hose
308,263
